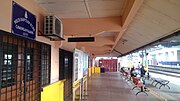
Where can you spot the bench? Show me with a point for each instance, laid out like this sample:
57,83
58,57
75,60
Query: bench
160,81
121,72
127,76
137,83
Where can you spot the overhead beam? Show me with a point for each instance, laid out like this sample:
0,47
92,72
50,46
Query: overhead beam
103,48
86,26
117,51
130,12
100,41
131,9
99,52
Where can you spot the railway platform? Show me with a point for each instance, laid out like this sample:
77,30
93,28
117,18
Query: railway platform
166,94
113,87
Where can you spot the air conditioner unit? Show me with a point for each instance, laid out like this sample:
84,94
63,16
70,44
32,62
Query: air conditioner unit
53,27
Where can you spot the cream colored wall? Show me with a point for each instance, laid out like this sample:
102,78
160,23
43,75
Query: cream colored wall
69,46
55,64
5,16
33,7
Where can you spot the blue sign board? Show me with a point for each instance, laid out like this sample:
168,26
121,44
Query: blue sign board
23,22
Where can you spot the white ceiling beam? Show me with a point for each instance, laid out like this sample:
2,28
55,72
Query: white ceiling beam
128,18
87,8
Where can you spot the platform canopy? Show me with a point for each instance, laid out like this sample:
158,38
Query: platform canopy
119,26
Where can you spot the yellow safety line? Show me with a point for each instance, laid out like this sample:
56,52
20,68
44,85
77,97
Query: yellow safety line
157,94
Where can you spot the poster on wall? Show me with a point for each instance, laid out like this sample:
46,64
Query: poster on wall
23,22
85,64
80,65
77,66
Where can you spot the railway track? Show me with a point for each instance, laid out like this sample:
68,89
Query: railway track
170,71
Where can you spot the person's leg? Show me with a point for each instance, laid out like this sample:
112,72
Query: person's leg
144,82
148,76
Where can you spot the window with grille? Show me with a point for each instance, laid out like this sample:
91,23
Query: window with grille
45,64
9,65
29,63
24,68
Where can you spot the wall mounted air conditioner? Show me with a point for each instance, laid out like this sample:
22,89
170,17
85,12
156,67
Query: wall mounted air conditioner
53,27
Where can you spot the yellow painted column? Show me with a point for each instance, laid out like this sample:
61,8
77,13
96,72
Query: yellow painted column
89,72
97,70
93,70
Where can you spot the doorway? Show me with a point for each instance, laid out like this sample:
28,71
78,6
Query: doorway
65,72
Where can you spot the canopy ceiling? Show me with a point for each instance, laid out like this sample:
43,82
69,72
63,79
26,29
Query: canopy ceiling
119,26
155,19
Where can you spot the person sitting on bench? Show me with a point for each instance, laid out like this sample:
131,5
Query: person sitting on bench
143,72
132,72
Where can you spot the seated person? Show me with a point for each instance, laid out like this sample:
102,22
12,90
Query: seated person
122,69
132,72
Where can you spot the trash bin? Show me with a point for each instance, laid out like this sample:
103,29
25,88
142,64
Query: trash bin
102,70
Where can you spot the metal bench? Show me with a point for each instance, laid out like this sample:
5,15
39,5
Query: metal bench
137,83
127,76
160,81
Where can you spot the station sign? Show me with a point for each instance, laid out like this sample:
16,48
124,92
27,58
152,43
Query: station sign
23,22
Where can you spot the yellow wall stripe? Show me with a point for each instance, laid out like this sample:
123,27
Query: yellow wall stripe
53,92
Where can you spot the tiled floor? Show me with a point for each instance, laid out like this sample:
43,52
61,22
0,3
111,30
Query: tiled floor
112,87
